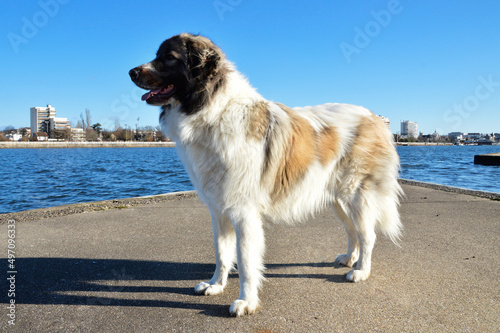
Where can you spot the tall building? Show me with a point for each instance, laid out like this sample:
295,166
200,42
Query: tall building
409,129
40,118
43,119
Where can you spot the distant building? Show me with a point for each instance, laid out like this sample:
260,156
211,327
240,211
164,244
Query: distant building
409,129
59,124
474,136
40,136
43,119
456,136
386,121
14,137
77,134
40,118
26,131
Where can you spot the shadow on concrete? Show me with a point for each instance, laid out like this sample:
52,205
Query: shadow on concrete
337,278
74,281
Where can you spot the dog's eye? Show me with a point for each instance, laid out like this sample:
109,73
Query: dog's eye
170,57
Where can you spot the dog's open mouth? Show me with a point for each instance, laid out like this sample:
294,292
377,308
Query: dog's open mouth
159,95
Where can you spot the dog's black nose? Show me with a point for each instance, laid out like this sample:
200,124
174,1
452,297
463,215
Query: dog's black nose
134,73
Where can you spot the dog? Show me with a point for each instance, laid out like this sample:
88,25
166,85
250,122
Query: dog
252,160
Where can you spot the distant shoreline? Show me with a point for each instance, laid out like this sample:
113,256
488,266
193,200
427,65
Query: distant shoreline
137,144
403,144
72,144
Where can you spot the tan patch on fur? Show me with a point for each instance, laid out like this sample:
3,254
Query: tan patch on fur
328,145
259,117
371,148
298,154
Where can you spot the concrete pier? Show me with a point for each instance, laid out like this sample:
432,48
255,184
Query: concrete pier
487,159
131,265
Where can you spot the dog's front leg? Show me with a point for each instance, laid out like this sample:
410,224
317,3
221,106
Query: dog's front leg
225,254
250,252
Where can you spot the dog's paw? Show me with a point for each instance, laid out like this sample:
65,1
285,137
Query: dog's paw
357,275
345,260
241,307
207,289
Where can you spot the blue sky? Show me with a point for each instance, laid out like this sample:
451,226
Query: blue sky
433,62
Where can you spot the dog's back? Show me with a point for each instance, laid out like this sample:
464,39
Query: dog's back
336,153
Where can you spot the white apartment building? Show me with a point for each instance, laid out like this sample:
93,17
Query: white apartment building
43,119
40,118
409,129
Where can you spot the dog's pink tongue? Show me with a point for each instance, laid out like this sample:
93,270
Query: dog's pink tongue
149,94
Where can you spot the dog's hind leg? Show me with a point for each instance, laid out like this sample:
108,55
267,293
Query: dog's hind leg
225,254
352,253
250,249
364,215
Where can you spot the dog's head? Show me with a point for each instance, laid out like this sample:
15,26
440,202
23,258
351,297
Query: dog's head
188,69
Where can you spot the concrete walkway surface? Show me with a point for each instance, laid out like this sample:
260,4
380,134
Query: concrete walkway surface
134,270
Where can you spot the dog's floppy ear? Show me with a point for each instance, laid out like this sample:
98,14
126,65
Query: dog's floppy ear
203,57
206,72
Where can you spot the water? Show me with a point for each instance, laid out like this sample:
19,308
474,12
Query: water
450,165
38,178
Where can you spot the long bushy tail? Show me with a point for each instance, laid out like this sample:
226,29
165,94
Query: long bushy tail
389,221
390,193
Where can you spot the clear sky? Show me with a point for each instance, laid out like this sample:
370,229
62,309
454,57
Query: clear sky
433,62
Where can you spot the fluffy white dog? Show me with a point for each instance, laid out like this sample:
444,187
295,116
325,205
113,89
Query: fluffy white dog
252,160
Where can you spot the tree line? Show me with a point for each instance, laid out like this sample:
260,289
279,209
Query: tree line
94,132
